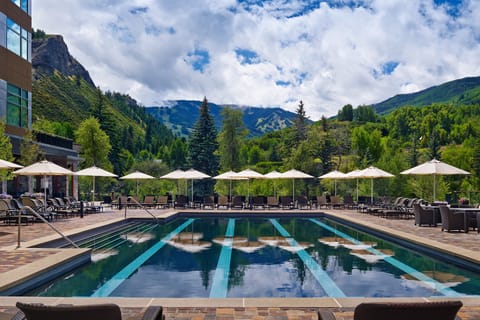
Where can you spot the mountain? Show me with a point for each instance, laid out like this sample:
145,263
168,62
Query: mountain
50,53
63,95
461,91
180,116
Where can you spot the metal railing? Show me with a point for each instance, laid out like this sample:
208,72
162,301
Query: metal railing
131,199
39,216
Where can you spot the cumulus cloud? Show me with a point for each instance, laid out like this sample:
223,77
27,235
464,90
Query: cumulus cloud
268,53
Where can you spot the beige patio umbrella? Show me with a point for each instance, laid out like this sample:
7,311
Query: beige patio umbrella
229,175
176,175
93,172
137,175
249,174
353,175
373,173
335,175
43,168
273,175
295,174
436,168
4,164
192,174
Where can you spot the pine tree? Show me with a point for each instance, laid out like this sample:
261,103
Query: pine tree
202,148
299,127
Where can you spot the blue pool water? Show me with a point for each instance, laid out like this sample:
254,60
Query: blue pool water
257,257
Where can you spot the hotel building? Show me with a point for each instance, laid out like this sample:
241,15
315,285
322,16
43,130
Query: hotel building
16,98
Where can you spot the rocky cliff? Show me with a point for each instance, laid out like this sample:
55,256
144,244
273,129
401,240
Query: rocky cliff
50,53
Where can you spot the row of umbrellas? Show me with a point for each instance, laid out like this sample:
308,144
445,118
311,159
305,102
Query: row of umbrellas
46,168
433,167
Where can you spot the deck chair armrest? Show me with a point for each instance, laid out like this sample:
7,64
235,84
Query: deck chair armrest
153,313
326,315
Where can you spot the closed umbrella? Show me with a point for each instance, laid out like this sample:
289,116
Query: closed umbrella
335,175
137,175
436,168
93,172
295,174
373,173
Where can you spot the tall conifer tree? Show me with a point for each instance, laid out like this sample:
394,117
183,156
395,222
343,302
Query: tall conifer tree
202,148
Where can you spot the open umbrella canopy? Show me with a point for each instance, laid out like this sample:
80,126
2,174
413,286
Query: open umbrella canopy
373,173
137,175
43,168
295,174
174,175
435,167
95,171
273,175
229,175
335,175
4,164
249,174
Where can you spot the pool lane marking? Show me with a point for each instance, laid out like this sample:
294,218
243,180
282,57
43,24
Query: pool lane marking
434,284
220,279
108,287
328,285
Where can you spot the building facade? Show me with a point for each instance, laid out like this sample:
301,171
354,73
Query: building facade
16,98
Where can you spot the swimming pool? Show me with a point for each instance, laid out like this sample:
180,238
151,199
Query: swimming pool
225,257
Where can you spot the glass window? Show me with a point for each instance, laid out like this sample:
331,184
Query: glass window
22,4
17,106
17,39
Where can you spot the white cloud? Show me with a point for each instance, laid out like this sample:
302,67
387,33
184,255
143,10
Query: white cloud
326,57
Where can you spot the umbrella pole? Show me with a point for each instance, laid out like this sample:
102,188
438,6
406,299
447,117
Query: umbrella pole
357,190
93,188
371,191
45,192
230,192
335,184
293,190
137,187
434,186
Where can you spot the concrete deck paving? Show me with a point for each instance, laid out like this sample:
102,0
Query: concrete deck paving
15,262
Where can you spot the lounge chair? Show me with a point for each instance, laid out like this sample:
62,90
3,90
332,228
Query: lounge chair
181,201
222,202
9,214
208,202
322,202
452,220
107,311
149,202
336,203
162,202
424,216
272,202
258,202
237,202
348,202
286,202
303,203
38,207
441,310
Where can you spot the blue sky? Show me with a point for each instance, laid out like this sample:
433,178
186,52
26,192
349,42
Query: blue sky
268,53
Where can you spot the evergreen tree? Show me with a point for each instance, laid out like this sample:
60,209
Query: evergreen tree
300,125
346,113
202,148
230,139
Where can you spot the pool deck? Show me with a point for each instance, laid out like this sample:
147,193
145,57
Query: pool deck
18,263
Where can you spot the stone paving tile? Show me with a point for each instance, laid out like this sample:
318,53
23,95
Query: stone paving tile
13,258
